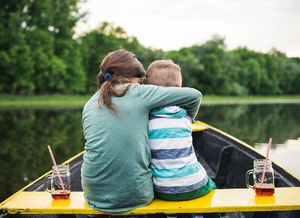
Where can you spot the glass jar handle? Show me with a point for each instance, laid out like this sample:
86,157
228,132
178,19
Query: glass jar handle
247,179
47,183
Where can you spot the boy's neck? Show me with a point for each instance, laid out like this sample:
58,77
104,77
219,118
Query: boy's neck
136,80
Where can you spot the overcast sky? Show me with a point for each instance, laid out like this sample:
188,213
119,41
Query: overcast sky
173,24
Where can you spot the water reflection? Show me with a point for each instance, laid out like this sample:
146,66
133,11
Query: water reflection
25,134
286,154
255,123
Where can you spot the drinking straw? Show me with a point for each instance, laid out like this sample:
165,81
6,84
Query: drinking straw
265,165
56,168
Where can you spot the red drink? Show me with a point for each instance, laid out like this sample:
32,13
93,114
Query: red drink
61,194
264,190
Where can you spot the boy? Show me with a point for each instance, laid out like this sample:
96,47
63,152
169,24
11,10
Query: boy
177,174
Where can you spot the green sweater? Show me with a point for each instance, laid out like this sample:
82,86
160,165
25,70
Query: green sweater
116,173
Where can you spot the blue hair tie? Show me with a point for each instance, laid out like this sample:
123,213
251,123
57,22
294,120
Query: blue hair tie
107,75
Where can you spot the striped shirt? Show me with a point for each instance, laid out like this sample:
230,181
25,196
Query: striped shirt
174,165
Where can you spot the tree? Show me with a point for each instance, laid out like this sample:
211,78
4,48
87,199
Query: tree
107,38
36,44
15,65
39,55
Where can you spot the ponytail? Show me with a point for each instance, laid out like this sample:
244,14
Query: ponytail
117,68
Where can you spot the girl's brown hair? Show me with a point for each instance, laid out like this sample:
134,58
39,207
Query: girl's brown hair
117,67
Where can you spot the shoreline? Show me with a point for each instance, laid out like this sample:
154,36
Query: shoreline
69,101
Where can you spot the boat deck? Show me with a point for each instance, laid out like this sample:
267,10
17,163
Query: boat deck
220,200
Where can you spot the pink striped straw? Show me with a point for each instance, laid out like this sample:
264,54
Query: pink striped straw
265,165
56,168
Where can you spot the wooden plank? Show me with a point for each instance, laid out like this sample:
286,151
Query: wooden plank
220,200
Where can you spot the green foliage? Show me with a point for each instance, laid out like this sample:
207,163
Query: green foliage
39,55
107,38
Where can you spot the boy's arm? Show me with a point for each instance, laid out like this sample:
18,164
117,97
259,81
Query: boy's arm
156,96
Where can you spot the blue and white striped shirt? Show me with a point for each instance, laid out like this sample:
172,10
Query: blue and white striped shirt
174,165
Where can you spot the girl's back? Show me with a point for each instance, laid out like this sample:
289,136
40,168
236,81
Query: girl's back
117,148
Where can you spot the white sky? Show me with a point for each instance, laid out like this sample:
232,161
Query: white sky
173,24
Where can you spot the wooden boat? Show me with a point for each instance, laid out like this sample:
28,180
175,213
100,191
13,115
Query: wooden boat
226,160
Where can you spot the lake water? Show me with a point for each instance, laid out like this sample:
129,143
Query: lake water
25,134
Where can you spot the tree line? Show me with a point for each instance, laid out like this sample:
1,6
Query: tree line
39,55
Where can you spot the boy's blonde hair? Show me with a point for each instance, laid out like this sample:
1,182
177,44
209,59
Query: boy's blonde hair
164,73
